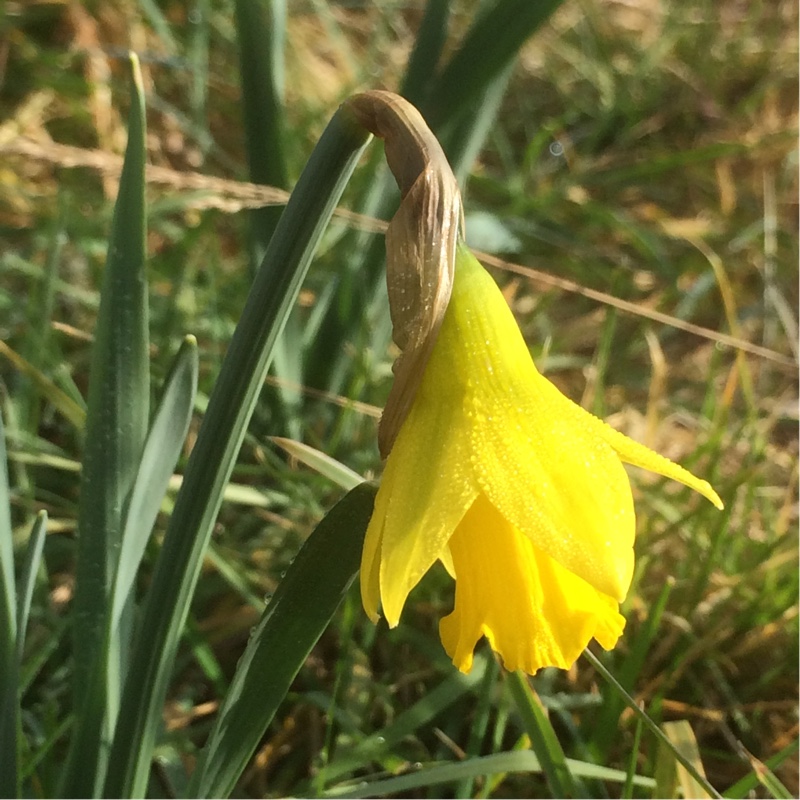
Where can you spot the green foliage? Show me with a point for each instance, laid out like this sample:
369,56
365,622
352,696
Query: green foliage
646,153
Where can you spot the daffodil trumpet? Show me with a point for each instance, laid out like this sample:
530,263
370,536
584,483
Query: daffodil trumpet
520,493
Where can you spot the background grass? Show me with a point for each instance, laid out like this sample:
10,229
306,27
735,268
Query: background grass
646,150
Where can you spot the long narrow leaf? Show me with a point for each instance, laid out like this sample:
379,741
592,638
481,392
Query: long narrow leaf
229,410
9,676
27,581
261,32
424,58
543,738
630,669
116,425
71,410
477,733
491,44
290,626
161,452
464,138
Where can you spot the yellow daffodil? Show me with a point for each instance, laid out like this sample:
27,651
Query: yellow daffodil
519,492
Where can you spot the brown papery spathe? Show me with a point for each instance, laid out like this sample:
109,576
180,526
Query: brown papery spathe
420,243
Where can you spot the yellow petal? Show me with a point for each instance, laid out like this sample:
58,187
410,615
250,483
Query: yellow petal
534,612
426,489
369,574
535,457
637,454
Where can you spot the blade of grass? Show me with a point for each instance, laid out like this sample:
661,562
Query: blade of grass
234,492
763,774
71,410
630,669
464,138
483,712
320,462
33,558
9,675
543,738
229,410
38,347
520,761
627,789
294,619
769,780
649,723
199,19
116,426
261,32
380,744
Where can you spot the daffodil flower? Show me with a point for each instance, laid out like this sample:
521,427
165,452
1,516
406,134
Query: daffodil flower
518,491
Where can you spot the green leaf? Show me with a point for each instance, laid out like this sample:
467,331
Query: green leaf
61,401
161,452
320,462
490,45
464,136
9,675
230,407
480,725
424,58
294,619
116,426
261,35
627,789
